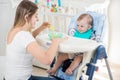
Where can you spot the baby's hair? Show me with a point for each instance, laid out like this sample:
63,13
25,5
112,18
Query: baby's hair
89,17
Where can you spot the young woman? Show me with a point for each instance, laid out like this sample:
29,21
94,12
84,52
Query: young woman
22,46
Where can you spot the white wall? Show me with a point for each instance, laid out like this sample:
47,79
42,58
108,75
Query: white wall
114,14
6,20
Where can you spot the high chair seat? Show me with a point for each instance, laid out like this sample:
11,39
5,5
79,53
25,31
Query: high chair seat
97,25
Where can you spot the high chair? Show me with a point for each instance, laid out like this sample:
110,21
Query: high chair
86,69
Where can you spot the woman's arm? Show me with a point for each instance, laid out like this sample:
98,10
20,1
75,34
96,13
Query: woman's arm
45,57
41,28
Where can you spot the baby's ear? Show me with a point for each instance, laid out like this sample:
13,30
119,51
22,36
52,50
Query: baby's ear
89,26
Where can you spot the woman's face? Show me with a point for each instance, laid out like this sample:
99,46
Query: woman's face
82,25
34,19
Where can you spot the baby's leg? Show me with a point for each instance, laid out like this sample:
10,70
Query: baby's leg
74,64
59,61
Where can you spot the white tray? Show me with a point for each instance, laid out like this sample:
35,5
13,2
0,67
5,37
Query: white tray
71,45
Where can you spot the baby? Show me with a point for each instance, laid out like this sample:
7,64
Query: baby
84,30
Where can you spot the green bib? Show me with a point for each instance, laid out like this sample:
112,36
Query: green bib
85,35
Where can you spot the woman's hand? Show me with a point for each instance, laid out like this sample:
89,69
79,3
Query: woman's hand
45,25
41,28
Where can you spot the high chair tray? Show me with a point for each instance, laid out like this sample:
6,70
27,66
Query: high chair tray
71,45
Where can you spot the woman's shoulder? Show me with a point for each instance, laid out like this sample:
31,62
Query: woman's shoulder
11,34
14,33
23,33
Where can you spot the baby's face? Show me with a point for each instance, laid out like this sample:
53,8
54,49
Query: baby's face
82,25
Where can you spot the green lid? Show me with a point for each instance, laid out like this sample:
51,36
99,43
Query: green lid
55,35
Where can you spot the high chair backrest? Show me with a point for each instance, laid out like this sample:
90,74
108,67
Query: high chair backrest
97,25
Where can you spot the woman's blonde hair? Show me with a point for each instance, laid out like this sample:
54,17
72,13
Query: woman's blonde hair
26,7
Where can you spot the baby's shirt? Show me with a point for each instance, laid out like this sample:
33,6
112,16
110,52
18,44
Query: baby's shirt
85,35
